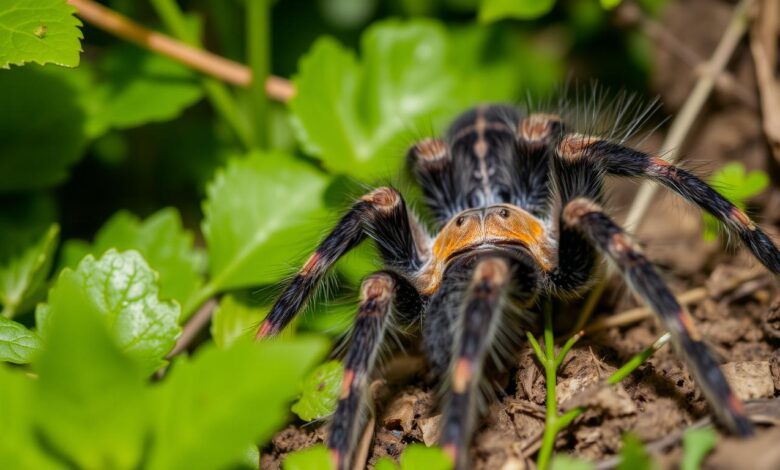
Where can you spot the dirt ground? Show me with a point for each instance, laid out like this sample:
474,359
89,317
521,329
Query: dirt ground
740,320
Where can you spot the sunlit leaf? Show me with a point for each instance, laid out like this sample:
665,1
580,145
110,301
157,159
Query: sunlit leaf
313,458
164,244
17,343
319,392
261,215
22,276
42,31
213,407
697,443
234,320
90,401
123,290
493,10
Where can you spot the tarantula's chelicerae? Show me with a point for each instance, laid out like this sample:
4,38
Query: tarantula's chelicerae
517,203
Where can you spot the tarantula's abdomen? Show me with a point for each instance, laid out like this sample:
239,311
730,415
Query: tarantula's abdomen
496,226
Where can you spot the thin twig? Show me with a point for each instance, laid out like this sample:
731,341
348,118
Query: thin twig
198,59
193,327
692,107
763,44
686,298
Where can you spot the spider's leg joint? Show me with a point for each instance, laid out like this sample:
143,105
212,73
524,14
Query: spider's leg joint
574,147
538,126
384,198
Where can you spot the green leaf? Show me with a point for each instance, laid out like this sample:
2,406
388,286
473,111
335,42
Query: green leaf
320,392
123,289
418,456
19,447
90,403
633,455
358,117
164,244
493,10
567,462
17,343
22,277
610,4
37,103
234,320
260,216
313,458
42,31
697,443
212,408
138,87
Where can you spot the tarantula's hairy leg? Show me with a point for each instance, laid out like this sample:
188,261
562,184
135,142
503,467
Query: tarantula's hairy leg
574,177
641,276
380,214
378,294
431,163
535,135
479,318
619,160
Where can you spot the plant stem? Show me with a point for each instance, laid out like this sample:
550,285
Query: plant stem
203,61
259,51
218,94
555,423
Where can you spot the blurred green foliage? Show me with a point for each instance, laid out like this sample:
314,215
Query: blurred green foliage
133,192
738,186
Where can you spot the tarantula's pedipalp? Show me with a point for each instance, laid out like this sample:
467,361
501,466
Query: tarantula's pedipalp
641,276
379,294
380,214
619,160
477,326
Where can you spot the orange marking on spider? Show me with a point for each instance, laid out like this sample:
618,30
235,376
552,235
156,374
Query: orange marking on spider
311,263
689,325
346,383
741,218
736,404
451,450
264,330
431,150
383,198
538,126
462,375
575,146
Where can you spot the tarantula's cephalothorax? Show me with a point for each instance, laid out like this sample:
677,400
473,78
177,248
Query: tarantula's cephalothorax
517,200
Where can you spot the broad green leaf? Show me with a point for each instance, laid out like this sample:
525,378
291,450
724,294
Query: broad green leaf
493,10
262,215
164,244
319,392
17,343
697,443
90,402
233,320
210,409
35,104
22,276
123,289
567,462
430,458
633,455
42,31
359,116
137,87
313,458
19,447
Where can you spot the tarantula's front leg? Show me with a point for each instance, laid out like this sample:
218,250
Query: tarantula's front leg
476,326
378,294
380,214
619,160
588,217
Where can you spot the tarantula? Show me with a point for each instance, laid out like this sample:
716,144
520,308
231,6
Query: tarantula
517,202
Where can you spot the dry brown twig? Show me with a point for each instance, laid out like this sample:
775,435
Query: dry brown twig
764,32
205,62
